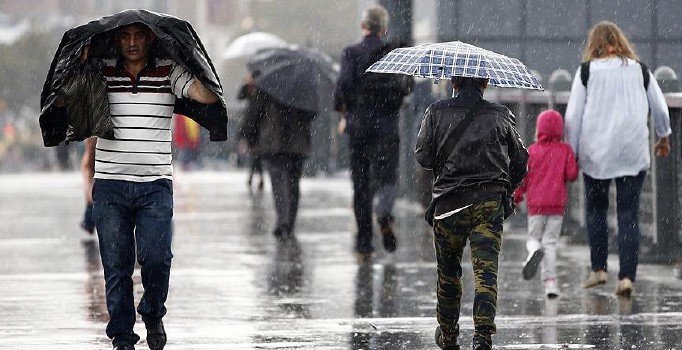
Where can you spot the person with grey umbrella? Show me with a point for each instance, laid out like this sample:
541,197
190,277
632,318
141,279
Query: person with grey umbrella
283,141
291,87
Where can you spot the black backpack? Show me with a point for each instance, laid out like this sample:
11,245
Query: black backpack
385,91
585,73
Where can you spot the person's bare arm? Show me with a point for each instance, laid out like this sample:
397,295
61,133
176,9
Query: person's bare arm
198,92
662,147
88,167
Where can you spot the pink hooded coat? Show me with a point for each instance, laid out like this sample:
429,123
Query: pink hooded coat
551,164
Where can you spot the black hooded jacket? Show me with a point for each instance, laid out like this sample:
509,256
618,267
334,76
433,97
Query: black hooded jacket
488,161
85,112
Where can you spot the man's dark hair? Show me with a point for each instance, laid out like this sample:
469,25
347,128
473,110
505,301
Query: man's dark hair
466,81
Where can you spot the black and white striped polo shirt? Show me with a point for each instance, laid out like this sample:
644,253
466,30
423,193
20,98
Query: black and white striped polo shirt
141,110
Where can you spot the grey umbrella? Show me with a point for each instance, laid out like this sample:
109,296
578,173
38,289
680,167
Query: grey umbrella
297,77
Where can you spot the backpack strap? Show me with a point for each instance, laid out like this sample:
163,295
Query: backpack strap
585,72
645,75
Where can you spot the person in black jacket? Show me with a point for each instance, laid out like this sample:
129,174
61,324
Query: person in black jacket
370,104
249,141
282,136
474,175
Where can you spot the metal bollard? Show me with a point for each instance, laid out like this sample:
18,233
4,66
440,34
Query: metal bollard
667,182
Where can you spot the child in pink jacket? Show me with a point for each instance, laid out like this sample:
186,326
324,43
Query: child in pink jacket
550,166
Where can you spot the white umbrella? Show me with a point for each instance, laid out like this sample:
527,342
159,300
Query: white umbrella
252,43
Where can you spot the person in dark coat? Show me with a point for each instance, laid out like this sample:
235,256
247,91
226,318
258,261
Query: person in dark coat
370,104
474,177
250,140
282,135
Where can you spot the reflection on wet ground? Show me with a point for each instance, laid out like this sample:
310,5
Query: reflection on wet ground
233,286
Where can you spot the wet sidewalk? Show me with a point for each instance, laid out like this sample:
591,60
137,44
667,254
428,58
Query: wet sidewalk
233,286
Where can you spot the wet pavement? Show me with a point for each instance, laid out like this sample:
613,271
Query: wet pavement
233,286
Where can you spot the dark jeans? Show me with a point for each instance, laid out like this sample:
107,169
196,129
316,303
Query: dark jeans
628,189
134,217
374,169
285,175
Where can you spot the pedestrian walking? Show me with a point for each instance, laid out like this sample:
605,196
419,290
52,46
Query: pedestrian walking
187,140
478,160
249,141
472,180
282,135
551,164
606,126
370,104
291,86
132,191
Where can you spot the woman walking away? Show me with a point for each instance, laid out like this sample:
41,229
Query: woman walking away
550,165
608,132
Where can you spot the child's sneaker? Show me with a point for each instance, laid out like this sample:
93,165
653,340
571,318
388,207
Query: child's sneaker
551,288
530,267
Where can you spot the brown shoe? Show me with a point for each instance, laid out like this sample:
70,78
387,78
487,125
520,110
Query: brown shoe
596,278
363,257
624,287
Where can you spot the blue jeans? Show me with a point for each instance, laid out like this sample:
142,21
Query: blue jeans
131,215
628,189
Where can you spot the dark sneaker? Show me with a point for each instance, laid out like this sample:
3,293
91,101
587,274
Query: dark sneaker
387,234
124,347
440,341
156,335
530,267
482,342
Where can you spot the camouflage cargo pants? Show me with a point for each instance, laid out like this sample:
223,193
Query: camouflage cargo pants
481,224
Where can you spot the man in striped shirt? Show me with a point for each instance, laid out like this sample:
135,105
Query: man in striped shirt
132,193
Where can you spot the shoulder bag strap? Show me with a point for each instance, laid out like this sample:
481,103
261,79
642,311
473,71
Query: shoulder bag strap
456,135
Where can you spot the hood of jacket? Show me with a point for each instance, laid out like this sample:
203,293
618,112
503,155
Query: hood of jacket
175,39
550,126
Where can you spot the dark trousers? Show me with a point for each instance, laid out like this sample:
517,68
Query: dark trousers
628,189
134,217
481,225
374,169
285,176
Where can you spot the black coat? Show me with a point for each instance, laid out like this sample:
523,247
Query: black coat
68,78
274,128
371,112
490,155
